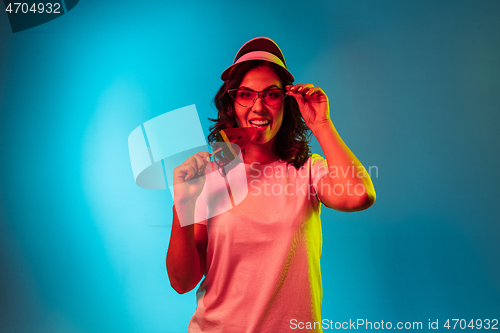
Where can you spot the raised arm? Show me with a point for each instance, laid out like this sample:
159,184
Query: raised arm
347,186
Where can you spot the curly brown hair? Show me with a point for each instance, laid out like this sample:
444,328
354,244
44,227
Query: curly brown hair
292,140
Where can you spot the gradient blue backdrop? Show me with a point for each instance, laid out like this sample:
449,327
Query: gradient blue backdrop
413,88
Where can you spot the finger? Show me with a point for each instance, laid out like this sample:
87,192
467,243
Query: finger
305,88
190,172
194,165
298,97
294,88
313,90
197,160
204,155
318,96
300,89
184,172
201,163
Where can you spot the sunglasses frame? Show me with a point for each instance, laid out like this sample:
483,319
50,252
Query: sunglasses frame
230,92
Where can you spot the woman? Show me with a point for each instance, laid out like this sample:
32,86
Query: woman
261,258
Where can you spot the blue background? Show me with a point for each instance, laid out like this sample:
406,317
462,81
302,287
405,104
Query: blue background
413,89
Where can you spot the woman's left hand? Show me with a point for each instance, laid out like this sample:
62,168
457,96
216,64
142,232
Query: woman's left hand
313,103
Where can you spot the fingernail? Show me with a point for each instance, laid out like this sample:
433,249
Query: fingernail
208,158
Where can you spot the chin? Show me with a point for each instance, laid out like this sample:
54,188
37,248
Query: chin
263,140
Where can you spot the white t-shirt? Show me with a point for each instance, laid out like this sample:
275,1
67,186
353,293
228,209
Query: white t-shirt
263,255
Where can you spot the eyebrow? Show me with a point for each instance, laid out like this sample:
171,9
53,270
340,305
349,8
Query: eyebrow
271,86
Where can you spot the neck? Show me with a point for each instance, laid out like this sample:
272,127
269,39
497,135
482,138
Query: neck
259,153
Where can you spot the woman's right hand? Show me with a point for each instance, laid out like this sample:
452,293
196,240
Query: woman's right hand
189,178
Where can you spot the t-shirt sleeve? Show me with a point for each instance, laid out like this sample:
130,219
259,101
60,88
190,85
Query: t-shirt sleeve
319,168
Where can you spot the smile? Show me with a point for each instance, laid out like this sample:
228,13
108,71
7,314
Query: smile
259,123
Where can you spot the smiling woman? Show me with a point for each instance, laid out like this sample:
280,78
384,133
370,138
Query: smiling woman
261,258
267,118
265,83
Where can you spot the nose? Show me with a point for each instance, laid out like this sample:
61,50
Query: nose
258,105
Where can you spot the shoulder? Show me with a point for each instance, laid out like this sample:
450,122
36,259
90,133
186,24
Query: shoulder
311,161
316,157
318,167
316,161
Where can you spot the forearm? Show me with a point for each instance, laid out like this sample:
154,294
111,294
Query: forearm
183,261
346,172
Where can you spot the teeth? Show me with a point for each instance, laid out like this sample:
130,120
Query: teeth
259,122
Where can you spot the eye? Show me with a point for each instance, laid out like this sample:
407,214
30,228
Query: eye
273,93
244,94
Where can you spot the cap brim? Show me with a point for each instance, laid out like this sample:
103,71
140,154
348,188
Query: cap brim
255,55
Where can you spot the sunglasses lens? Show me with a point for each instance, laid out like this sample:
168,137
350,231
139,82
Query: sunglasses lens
243,97
273,97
